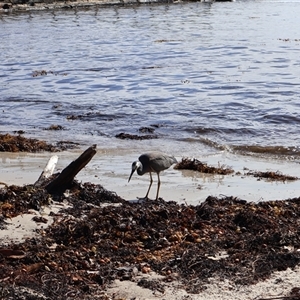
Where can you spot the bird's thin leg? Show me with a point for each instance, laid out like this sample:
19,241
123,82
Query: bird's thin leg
151,180
158,186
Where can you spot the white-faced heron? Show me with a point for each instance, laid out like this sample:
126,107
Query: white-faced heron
152,162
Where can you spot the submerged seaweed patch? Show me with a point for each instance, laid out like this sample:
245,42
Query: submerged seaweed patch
270,175
128,136
197,165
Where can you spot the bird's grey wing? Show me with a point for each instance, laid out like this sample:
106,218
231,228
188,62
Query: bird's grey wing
161,162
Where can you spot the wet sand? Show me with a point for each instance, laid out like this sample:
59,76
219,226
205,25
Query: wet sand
111,168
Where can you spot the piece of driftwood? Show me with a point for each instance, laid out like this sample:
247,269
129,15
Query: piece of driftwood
48,170
66,177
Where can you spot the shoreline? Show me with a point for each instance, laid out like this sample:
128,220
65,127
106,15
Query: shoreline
111,169
40,5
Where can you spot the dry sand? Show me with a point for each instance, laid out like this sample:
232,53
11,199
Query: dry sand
279,285
24,226
111,168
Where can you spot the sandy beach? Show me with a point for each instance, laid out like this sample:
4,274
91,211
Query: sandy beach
278,286
111,168
133,76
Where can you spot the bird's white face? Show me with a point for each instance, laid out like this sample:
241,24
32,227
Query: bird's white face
135,165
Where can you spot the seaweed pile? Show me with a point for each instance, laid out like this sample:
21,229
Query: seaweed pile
90,244
18,143
149,130
272,176
197,165
128,136
101,237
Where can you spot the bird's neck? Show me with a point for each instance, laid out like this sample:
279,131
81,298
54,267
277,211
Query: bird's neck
140,169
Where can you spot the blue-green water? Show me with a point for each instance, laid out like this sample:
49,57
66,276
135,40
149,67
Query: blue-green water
211,76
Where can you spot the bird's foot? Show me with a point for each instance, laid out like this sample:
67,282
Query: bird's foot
139,200
143,199
159,199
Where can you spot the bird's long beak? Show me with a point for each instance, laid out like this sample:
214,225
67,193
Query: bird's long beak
131,174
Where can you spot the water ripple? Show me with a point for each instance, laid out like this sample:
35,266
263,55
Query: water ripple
103,71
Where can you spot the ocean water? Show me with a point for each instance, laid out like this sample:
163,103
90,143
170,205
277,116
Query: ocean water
207,78
215,75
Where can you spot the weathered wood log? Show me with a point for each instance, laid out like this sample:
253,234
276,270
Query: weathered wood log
66,177
48,170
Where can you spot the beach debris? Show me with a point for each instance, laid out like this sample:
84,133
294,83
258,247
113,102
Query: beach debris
39,219
37,73
15,200
90,245
99,237
18,143
146,130
272,176
74,117
128,136
55,127
48,170
12,253
197,165
289,40
36,195
19,132
64,180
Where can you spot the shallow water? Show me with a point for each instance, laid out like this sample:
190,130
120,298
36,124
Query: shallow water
216,81
111,168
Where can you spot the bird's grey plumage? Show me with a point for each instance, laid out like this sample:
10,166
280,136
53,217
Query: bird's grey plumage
152,162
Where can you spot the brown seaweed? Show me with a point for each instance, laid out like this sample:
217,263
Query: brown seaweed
272,176
101,237
18,143
128,136
90,245
197,165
